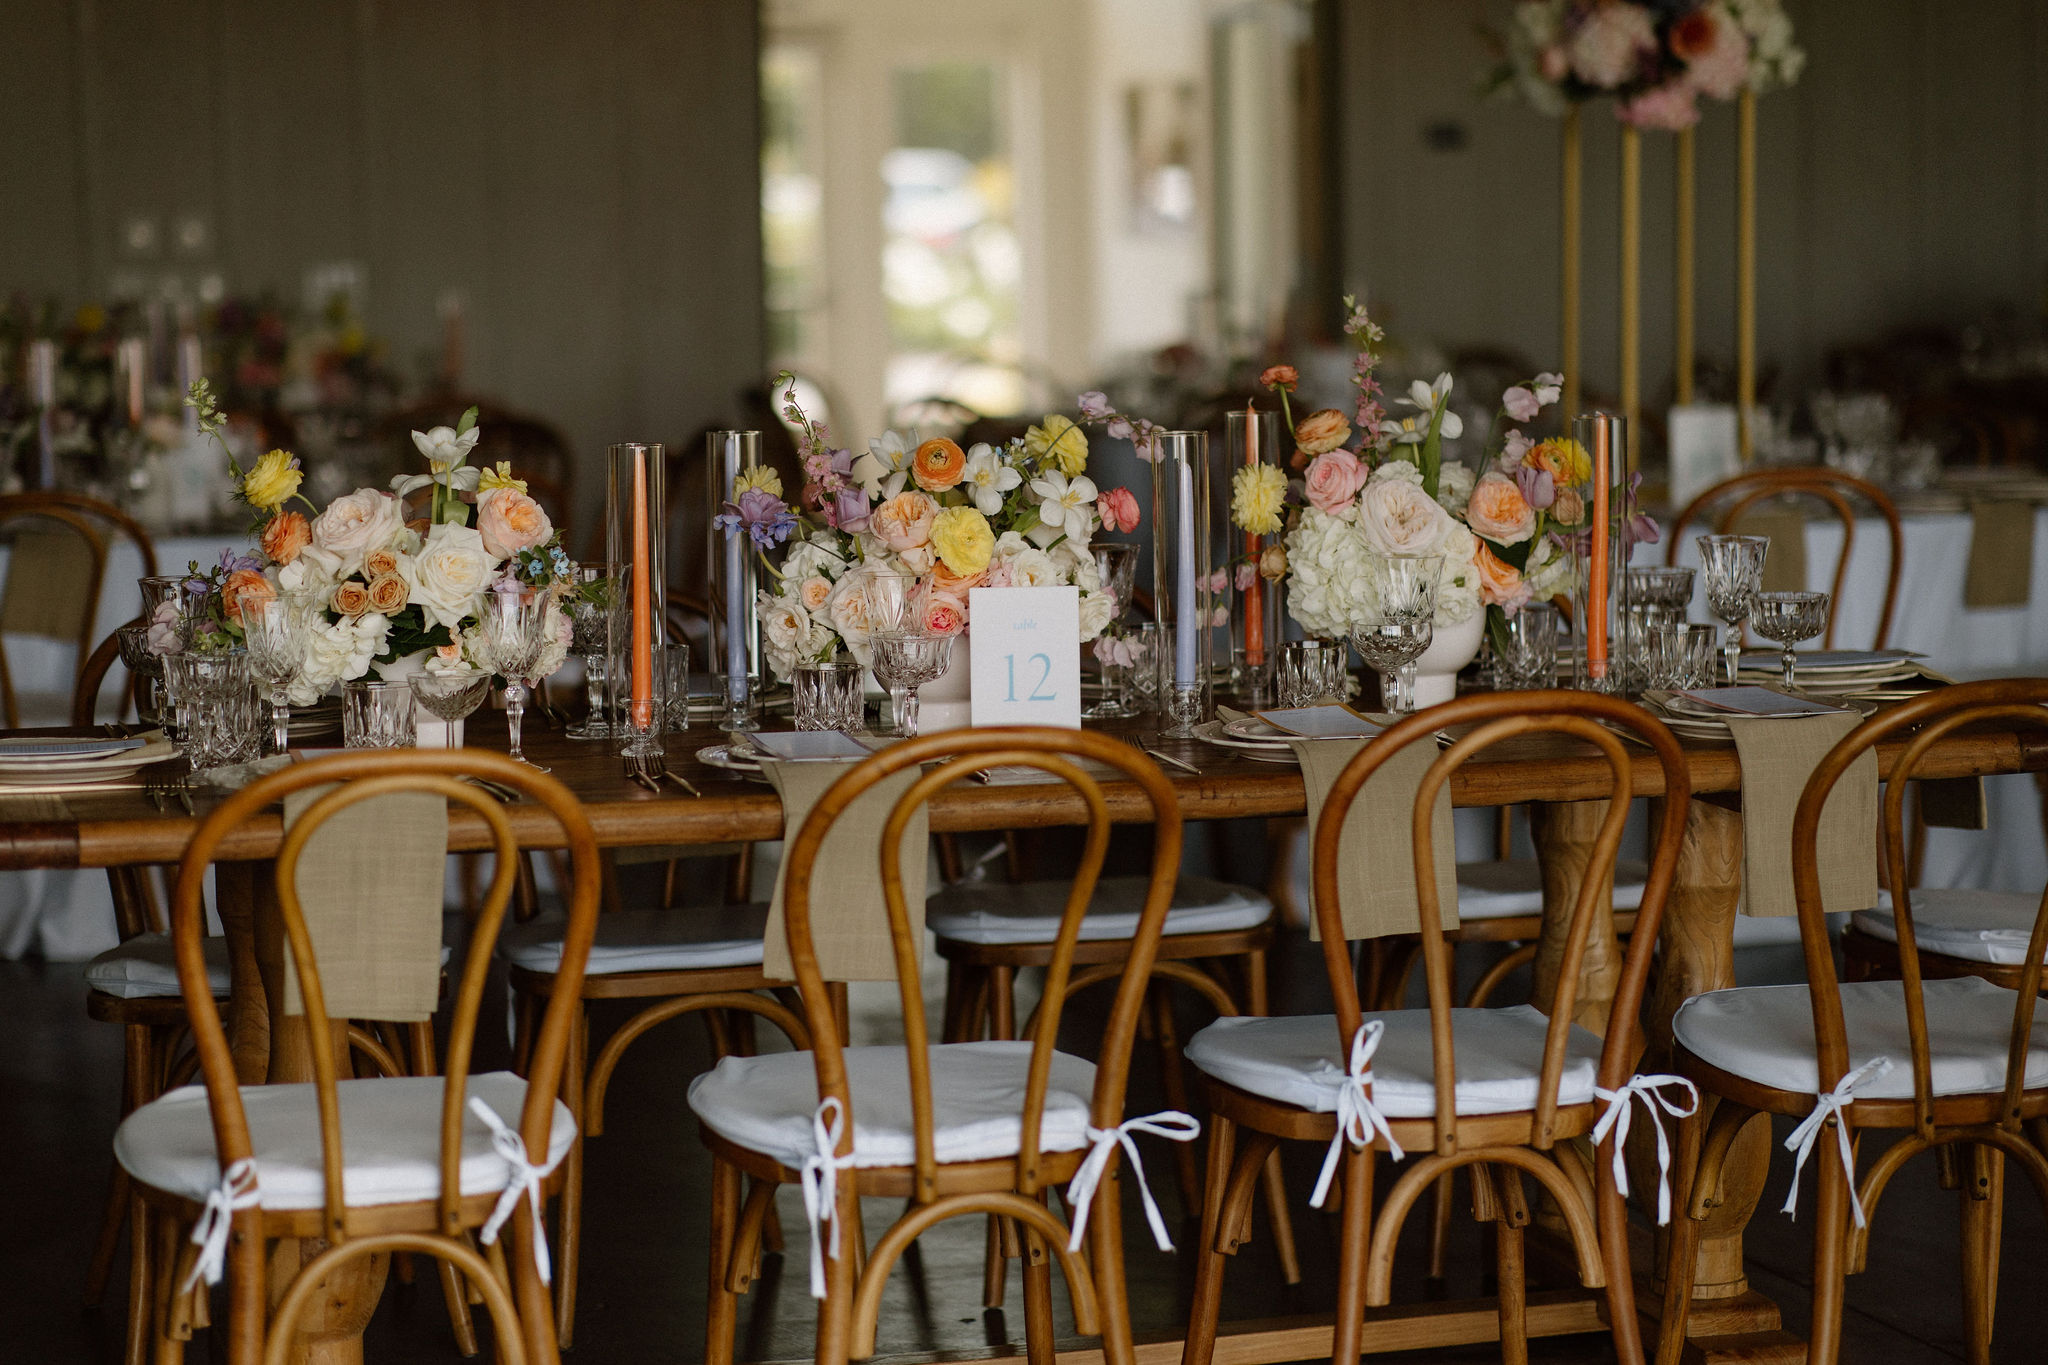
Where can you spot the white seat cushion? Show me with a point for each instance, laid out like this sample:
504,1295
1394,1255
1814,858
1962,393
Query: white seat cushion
1296,1059
1029,912
390,1139
765,1104
1765,1034
144,967
647,940
1977,926
1501,888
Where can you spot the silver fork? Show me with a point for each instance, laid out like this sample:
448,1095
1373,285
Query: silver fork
1181,763
636,771
657,769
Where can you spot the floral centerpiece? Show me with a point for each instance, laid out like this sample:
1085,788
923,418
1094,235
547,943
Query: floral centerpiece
387,592
1655,59
1373,484
984,516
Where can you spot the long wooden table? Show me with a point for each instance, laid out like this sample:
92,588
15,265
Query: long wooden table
1567,780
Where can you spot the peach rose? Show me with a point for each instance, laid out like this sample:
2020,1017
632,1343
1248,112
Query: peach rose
388,593
938,464
350,598
1570,507
510,521
904,522
285,535
1334,478
813,591
243,586
946,581
377,563
945,614
1499,512
1500,583
1321,431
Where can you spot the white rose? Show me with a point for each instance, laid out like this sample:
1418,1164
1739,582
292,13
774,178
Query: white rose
1034,569
1397,471
1098,609
1076,566
350,528
1398,518
1009,545
556,652
820,556
1548,572
1454,482
848,609
785,628
450,574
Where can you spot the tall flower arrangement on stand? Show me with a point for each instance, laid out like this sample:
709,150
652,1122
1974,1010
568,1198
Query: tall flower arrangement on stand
1015,515
386,590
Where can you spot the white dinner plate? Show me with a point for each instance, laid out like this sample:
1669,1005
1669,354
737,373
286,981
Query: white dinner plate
732,760
113,768
1830,660
1212,732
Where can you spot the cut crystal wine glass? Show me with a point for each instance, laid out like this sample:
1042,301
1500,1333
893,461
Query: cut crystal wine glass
589,611
1400,624
906,660
1734,569
514,636
1788,618
276,631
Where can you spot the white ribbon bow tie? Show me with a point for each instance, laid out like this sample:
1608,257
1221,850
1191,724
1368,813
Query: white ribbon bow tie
524,1178
821,1184
1808,1132
1616,1120
210,1234
1357,1118
1170,1124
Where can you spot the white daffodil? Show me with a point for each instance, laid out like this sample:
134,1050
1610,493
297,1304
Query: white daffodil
446,449
987,478
1069,503
882,472
1431,398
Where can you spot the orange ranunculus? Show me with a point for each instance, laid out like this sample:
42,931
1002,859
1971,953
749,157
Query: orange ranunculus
1566,459
244,585
1499,512
1500,583
938,464
1283,377
350,598
286,534
1322,430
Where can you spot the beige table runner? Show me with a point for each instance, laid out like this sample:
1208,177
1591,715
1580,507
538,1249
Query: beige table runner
49,586
1778,755
1785,565
370,886
2001,554
1376,859
849,919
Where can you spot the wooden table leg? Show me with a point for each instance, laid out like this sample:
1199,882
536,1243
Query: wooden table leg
1564,833
248,1013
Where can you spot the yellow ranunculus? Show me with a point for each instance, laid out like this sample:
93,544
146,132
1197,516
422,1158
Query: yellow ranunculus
1058,442
964,542
761,477
501,477
1257,493
273,479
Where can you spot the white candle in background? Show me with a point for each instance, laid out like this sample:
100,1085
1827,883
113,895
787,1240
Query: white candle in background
42,392
735,583
1187,625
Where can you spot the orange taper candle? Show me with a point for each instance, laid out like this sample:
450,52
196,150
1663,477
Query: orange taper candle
1596,579
643,633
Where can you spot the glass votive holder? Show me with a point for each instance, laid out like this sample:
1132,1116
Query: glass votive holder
376,714
675,662
1310,670
827,696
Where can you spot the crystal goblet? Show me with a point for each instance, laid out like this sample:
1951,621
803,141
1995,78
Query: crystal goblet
906,660
589,609
514,636
1400,623
1788,618
1734,568
453,695
276,631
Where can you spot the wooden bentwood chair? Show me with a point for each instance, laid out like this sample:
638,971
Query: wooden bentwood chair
424,1167
948,1134
1496,1090
1958,1062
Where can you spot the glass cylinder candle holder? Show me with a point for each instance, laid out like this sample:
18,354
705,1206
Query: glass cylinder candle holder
637,625
1606,644
1251,440
730,570
1181,567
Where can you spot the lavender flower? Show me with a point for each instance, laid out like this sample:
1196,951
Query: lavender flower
762,515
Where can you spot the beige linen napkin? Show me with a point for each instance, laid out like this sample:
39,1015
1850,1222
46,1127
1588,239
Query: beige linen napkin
1376,858
49,586
370,886
1778,755
1785,565
2001,554
849,919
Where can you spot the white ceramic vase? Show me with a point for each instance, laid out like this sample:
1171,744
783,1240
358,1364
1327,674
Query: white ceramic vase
429,730
1450,649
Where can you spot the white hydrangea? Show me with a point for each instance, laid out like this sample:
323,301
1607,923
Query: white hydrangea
1457,591
560,629
1454,482
822,555
1397,471
1548,572
1328,584
338,651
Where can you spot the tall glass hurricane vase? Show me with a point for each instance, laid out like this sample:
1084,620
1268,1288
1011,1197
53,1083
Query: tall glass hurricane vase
1600,584
730,570
1251,440
1180,577
637,626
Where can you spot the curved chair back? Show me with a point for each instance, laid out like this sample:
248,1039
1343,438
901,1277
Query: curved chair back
1920,723
1497,717
71,615
1735,496
92,675
960,754
362,776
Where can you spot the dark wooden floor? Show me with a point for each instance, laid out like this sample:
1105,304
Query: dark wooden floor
644,1245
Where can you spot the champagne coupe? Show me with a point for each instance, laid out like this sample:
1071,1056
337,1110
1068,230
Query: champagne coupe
515,626
906,660
1734,567
453,695
276,631
1117,566
592,584
1399,628
1788,618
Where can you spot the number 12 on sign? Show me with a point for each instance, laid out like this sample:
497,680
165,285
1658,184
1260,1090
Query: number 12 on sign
1026,656
1042,663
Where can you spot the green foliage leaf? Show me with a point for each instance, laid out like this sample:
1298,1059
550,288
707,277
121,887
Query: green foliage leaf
468,421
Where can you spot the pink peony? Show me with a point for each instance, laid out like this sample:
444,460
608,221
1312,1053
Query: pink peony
1611,43
1118,508
1715,51
1334,478
1671,107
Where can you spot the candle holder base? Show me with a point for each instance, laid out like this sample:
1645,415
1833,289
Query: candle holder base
736,712
1183,712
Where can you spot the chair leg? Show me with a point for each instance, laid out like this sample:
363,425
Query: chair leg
569,1208
141,1282
455,1292
1106,1252
1038,1326
113,1218
1983,1200
167,1348
721,1306
1200,1344
1511,1273
1682,1246
1002,1009
1173,1080
1354,1249
1444,1193
1830,1251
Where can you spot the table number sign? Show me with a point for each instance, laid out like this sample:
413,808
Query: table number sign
1026,666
